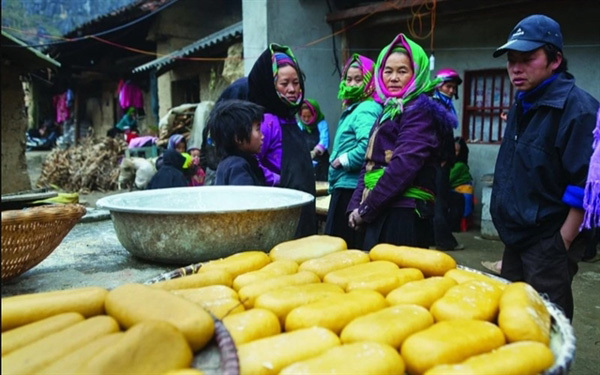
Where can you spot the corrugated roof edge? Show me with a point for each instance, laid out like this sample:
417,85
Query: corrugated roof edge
144,6
214,38
36,52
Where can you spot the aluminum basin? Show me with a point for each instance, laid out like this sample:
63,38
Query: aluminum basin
195,224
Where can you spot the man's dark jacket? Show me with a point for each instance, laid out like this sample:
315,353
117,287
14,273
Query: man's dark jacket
543,151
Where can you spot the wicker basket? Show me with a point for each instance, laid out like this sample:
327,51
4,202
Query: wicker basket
30,235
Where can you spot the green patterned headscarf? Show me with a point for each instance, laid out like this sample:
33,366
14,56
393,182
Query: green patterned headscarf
353,94
418,84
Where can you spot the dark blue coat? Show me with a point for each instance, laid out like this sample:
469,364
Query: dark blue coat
239,170
170,174
542,152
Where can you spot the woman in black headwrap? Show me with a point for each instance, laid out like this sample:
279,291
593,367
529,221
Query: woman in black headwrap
277,84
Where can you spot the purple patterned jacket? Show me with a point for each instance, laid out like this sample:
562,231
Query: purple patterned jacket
269,157
409,149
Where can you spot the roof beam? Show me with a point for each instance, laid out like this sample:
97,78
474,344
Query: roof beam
381,7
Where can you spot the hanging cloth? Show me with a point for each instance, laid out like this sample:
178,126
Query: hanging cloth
591,197
131,96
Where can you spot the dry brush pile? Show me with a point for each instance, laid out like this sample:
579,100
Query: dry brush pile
92,165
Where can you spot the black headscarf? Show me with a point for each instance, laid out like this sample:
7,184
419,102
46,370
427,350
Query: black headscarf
261,83
171,173
237,90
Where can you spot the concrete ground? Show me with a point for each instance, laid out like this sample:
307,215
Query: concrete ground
92,255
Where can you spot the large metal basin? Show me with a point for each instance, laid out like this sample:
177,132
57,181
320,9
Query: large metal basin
194,224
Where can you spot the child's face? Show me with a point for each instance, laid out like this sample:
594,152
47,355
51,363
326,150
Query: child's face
306,115
256,138
195,153
180,147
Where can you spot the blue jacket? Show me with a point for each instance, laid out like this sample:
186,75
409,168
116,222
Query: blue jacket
543,152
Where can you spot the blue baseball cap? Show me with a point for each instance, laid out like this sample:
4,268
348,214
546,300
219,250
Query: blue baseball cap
532,33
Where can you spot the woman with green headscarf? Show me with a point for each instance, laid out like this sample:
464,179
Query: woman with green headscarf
394,198
315,132
361,109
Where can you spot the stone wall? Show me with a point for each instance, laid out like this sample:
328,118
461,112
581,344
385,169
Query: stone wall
14,126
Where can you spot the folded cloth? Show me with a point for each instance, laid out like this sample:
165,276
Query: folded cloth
143,141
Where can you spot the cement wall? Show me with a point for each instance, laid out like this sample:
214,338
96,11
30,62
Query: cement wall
482,159
182,24
297,24
14,126
256,30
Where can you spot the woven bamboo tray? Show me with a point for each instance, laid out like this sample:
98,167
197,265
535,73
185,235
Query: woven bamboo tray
30,235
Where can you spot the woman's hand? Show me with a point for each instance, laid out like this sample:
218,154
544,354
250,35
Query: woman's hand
354,220
336,164
318,151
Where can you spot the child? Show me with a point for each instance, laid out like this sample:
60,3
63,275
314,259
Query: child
177,142
197,174
131,133
316,135
234,126
170,174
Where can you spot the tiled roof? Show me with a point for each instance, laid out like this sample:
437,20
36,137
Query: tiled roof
228,33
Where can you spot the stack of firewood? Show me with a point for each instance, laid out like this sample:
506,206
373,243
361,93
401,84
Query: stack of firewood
179,120
92,165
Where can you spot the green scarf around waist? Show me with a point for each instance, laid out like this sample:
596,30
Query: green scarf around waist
373,176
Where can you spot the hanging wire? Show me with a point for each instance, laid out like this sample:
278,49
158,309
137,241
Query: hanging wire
416,18
335,57
155,53
69,40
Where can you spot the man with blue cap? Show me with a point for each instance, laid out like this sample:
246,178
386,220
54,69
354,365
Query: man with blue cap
542,164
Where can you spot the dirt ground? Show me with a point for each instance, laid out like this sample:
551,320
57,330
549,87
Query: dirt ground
586,322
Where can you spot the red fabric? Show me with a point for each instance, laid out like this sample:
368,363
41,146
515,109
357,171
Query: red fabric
466,223
198,177
129,135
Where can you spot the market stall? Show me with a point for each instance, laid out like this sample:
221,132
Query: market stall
303,306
